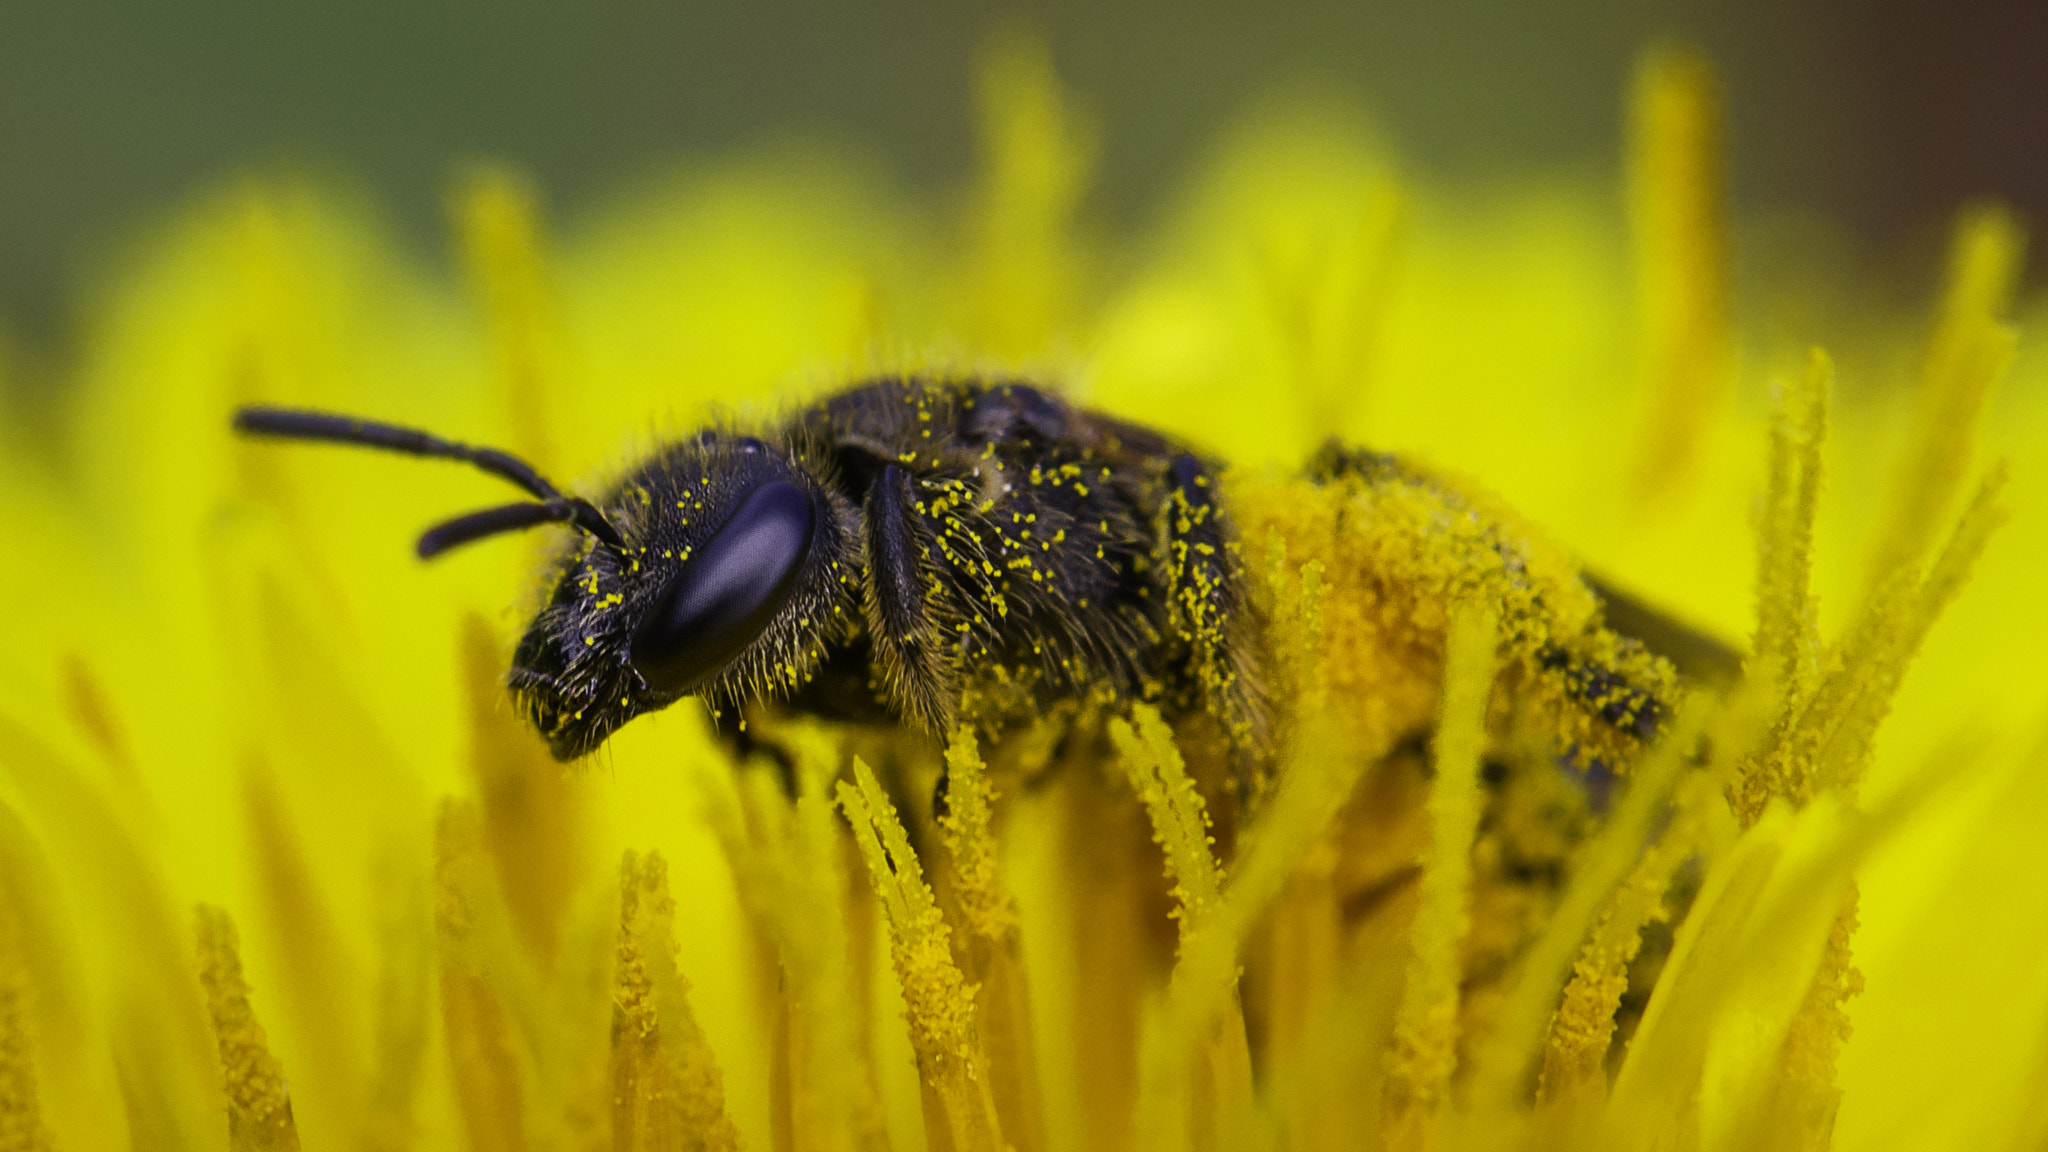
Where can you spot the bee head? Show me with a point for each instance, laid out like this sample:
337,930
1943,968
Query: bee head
728,579
717,569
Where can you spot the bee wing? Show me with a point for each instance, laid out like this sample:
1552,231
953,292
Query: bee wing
1699,656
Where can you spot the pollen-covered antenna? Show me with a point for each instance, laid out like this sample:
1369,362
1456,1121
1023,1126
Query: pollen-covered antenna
551,506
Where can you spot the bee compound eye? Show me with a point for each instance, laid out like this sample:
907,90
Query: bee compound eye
727,593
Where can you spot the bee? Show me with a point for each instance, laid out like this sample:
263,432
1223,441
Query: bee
870,558
888,552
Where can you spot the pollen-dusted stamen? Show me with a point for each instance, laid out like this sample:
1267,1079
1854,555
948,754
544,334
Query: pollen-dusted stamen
665,1079
938,1001
1423,1048
259,1105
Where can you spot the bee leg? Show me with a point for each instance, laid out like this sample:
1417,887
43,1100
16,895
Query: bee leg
1206,603
917,674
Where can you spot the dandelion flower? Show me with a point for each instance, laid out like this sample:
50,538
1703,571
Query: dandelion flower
279,867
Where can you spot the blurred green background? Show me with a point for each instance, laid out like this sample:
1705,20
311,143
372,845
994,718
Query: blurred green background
1881,115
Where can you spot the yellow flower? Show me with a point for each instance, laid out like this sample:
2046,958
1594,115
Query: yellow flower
277,864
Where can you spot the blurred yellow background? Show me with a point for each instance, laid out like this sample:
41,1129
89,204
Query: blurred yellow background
567,235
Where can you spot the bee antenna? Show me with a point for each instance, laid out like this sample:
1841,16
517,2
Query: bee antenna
513,517
552,506
299,424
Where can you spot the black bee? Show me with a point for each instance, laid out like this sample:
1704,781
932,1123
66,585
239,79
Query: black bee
911,548
879,556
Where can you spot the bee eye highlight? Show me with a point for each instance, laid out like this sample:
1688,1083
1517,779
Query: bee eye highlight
732,586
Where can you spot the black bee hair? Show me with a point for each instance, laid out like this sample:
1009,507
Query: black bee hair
549,505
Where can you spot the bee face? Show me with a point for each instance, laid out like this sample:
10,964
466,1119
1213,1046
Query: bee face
726,588
571,674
